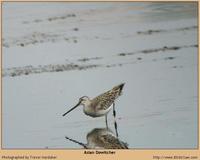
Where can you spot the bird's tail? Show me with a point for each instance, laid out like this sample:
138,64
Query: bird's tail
119,88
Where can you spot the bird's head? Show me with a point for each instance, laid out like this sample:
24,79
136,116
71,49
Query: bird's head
82,101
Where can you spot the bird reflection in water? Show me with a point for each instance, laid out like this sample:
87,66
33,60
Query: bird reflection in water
101,138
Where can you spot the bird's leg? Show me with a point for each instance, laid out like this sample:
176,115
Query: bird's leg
115,123
106,119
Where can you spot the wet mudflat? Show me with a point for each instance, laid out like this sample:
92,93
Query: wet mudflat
89,48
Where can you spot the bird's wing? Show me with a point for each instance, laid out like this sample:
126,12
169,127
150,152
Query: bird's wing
111,142
104,100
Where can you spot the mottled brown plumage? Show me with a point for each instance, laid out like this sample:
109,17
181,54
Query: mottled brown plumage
105,139
106,99
101,138
100,105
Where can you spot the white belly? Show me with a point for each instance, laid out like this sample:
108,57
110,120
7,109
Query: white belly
90,112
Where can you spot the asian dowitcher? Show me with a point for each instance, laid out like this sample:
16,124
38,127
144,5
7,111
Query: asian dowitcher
100,105
101,138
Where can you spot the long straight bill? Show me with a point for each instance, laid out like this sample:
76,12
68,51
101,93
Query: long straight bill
72,109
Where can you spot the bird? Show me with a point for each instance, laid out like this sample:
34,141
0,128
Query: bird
104,138
100,105
101,138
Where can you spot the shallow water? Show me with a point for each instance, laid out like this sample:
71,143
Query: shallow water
152,47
